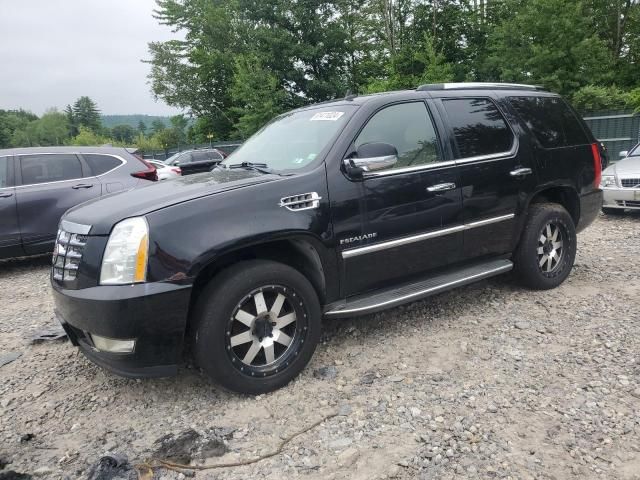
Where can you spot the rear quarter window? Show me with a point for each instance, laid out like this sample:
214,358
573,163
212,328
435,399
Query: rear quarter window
550,120
478,127
100,164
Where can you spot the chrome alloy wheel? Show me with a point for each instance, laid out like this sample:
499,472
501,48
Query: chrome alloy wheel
265,330
550,247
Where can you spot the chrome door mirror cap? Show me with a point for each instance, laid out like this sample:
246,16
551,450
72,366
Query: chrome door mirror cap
373,164
623,153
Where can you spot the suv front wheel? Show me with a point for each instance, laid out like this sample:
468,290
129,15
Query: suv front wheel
258,324
547,248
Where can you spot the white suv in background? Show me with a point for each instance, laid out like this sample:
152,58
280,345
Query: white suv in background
621,183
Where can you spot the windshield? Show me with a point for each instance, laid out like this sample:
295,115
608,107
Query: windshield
635,152
293,140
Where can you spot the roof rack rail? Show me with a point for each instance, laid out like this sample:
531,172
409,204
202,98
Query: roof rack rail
477,86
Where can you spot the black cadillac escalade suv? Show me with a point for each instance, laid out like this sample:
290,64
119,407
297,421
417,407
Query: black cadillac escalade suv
333,210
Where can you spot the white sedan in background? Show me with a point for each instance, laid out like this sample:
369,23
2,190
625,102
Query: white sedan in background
621,183
165,172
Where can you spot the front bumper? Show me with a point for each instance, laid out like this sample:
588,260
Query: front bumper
622,198
154,314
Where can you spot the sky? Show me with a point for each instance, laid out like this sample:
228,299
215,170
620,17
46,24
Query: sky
54,51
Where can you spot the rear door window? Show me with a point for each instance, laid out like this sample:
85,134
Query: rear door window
49,168
100,164
478,127
550,120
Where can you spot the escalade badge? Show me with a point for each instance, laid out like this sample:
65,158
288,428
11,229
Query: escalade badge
359,238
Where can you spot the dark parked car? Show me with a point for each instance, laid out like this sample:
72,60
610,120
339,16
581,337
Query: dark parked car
196,161
37,185
335,210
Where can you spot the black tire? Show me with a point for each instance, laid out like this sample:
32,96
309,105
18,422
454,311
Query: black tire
237,293
612,211
531,251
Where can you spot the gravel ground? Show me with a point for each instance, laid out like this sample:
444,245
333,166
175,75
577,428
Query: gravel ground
488,381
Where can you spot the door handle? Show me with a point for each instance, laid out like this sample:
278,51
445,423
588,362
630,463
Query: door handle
520,172
441,187
5,194
82,185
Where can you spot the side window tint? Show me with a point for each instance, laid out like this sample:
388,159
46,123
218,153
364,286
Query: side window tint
202,156
100,164
407,127
550,120
49,168
4,172
478,126
185,158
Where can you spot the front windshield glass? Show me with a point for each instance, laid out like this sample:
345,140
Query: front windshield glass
292,140
635,152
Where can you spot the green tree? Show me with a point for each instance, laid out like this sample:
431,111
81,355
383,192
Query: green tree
257,95
87,137
86,114
550,42
592,98
123,133
71,120
142,127
12,121
51,129
157,126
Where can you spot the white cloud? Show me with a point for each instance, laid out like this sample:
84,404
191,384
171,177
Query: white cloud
52,52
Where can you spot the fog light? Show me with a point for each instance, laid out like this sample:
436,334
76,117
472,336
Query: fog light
112,345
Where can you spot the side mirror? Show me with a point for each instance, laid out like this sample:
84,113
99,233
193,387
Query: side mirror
371,157
623,153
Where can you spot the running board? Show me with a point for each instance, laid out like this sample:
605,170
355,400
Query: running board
380,300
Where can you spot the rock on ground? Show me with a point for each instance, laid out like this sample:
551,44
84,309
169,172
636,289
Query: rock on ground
488,381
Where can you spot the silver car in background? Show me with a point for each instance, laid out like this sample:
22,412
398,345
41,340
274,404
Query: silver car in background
621,183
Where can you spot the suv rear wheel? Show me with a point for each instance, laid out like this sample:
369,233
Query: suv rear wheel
258,324
547,248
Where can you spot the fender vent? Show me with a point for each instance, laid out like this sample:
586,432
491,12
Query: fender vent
304,201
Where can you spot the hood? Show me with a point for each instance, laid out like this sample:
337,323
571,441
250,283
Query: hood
104,212
626,166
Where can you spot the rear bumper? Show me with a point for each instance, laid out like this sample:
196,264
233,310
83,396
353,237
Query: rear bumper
153,314
590,205
622,198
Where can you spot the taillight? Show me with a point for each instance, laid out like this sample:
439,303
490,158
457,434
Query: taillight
597,164
177,170
149,174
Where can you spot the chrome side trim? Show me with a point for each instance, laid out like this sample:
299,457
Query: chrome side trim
489,221
417,168
420,293
354,252
72,227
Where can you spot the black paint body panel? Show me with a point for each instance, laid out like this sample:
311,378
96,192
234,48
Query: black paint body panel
198,220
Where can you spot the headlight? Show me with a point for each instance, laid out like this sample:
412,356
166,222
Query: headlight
125,257
608,181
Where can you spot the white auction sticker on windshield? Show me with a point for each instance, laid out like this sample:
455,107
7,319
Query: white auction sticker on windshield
326,116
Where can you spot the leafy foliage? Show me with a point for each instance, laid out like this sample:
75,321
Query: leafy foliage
243,61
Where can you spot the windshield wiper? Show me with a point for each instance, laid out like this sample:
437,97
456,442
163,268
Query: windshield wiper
259,167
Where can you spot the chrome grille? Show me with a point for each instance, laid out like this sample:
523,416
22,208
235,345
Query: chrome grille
630,182
67,255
